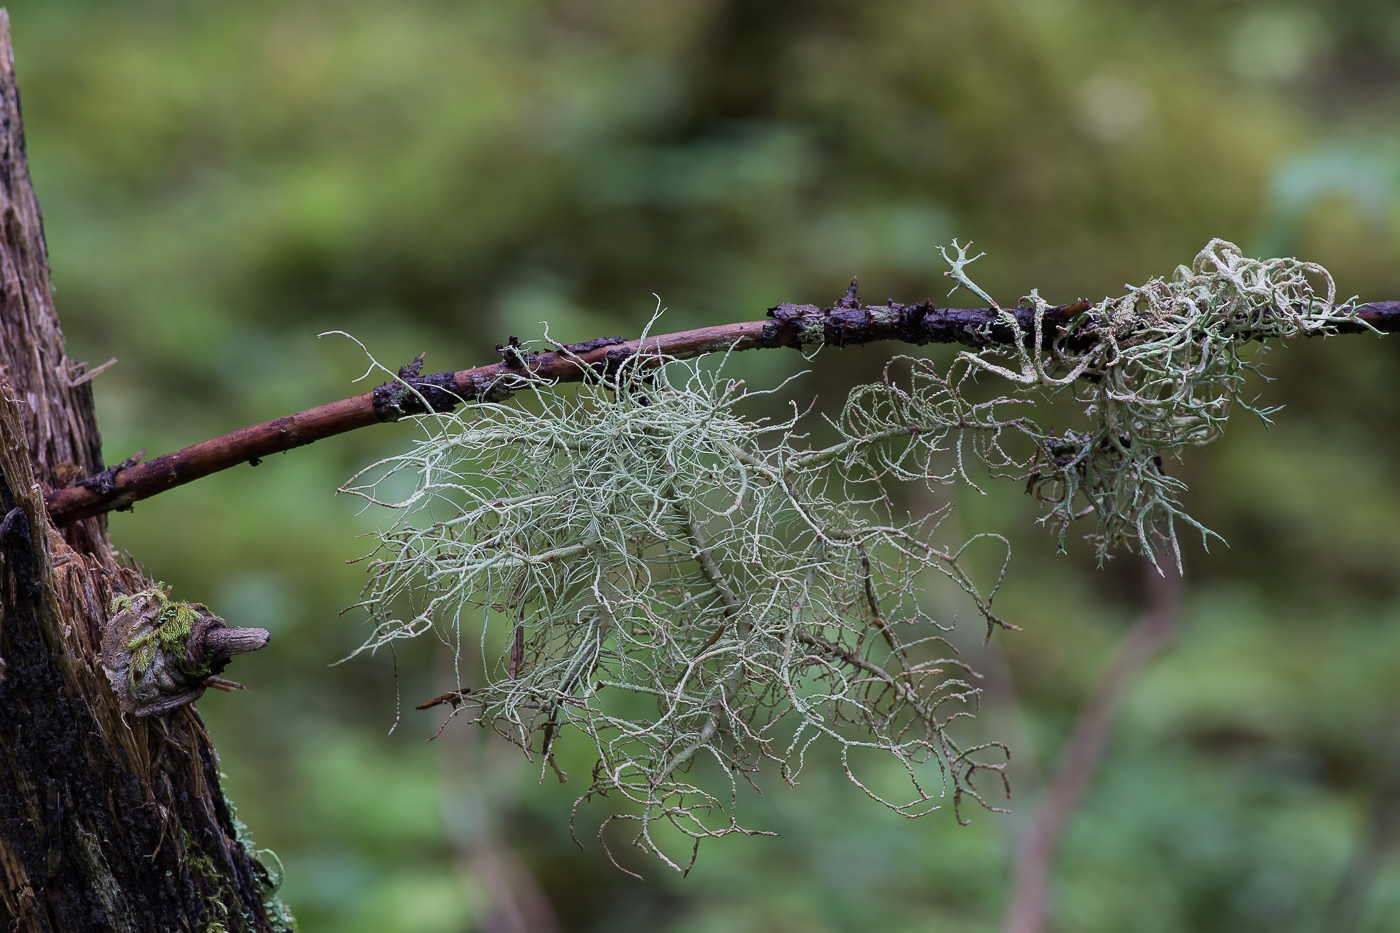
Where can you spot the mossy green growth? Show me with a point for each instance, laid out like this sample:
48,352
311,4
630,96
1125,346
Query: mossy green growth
215,907
172,622
270,878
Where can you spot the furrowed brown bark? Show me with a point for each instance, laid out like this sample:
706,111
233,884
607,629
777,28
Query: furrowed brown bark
106,822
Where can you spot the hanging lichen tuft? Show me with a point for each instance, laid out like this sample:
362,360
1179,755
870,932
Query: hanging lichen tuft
705,596
1157,370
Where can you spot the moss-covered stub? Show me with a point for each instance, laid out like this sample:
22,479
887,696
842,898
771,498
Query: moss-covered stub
159,652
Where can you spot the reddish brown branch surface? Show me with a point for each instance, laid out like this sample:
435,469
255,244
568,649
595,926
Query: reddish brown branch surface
847,322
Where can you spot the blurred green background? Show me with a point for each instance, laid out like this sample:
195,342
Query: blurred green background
222,182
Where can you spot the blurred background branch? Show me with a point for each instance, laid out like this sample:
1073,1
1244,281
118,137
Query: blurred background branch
1084,749
1377,842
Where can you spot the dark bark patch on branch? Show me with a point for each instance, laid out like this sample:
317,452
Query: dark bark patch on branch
415,394
793,325
850,300
486,386
612,361
589,345
513,355
978,327
848,322
105,482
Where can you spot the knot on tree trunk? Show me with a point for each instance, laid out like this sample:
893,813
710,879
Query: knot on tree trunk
161,654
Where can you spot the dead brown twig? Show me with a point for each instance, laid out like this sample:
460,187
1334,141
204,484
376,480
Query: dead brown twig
847,322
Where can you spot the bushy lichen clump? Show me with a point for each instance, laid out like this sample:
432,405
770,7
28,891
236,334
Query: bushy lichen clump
1157,370
700,593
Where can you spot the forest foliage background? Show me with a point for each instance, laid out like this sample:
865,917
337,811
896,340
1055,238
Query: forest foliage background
221,183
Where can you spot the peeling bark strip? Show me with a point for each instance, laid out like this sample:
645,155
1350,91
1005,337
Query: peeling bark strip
846,323
106,822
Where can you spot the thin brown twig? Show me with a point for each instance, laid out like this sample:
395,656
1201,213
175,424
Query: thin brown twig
455,697
845,323
1026,908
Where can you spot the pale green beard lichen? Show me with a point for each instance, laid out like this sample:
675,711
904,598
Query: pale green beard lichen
1161,373
644,539
699,593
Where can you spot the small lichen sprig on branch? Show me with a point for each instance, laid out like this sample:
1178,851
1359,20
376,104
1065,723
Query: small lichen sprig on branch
1157,370
698,593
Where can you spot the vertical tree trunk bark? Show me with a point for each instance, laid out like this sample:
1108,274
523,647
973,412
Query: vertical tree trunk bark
107,822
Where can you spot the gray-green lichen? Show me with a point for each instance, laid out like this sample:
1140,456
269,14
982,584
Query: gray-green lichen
704,595
640,536
1156,370
881,316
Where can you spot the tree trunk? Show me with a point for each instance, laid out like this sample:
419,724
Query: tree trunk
108,821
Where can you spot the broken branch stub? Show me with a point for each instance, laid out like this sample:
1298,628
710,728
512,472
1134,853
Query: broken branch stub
161,654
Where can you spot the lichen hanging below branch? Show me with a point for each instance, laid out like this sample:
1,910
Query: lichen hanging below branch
644,541
1157,370
701,594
